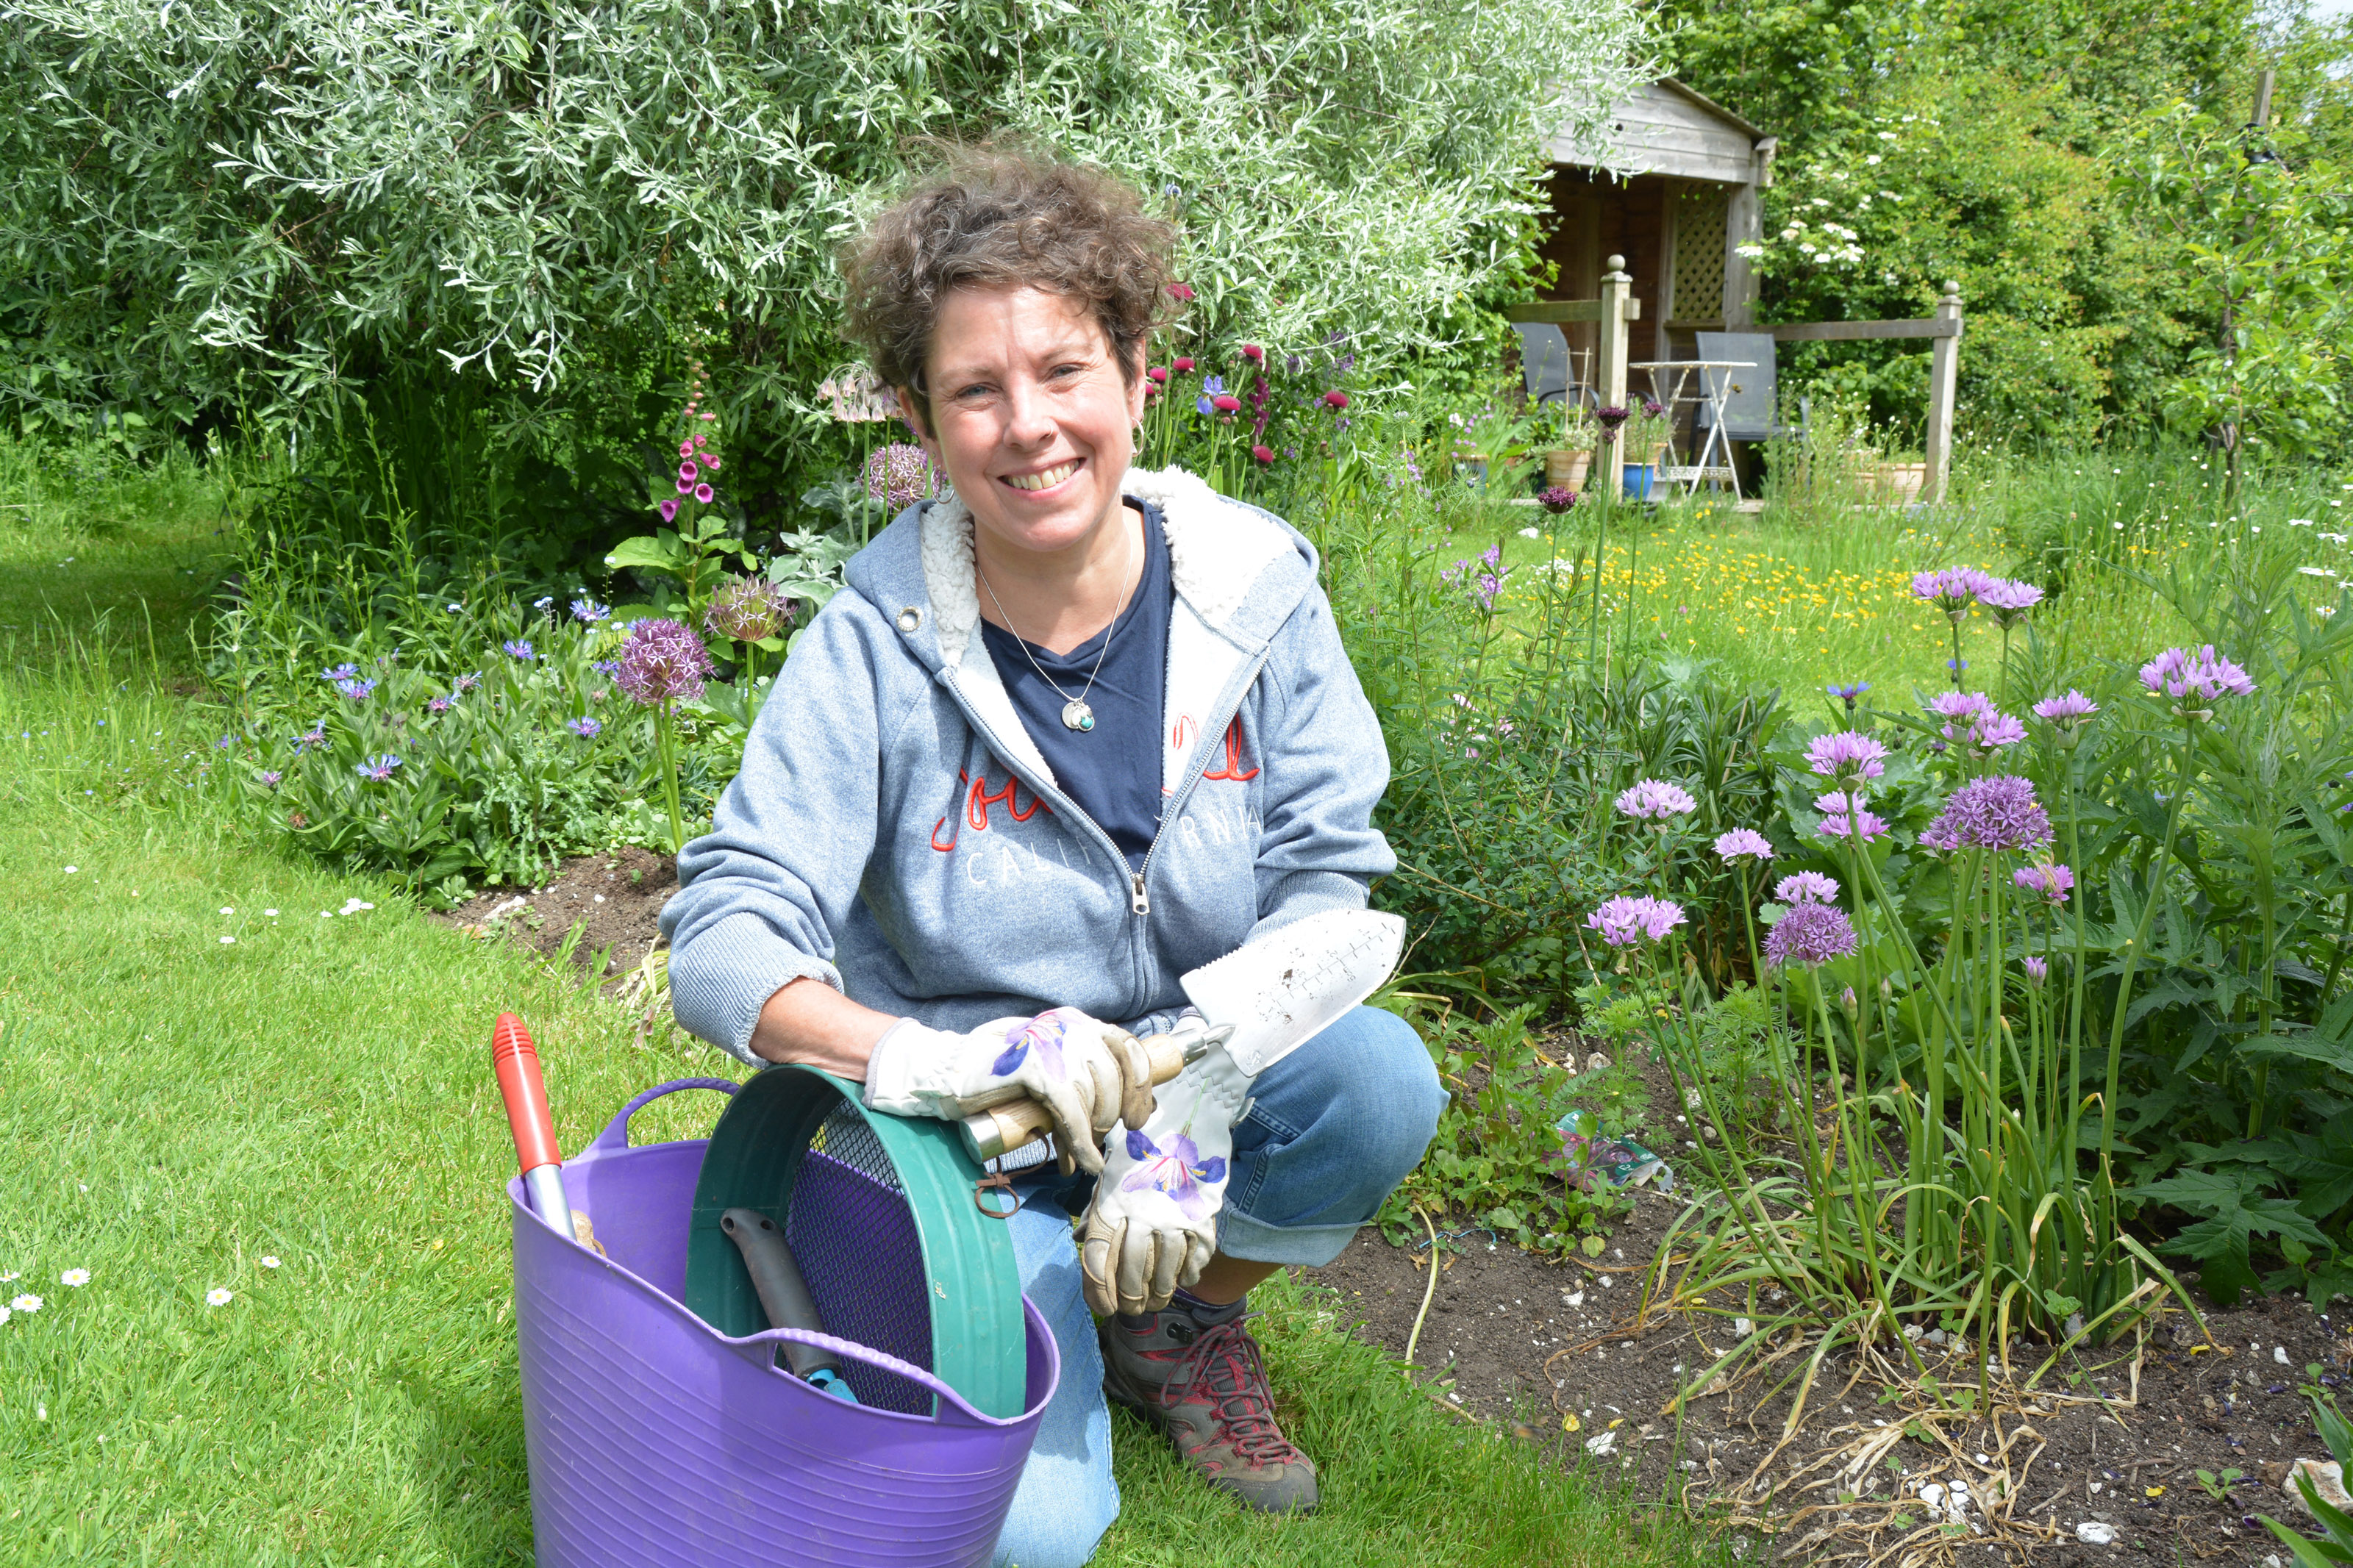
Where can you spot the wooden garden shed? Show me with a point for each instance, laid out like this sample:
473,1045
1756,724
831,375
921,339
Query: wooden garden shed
1670,181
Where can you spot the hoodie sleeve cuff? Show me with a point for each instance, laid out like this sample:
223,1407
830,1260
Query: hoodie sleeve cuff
720,980
1304,893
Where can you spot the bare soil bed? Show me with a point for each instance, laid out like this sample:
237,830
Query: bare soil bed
616,899
1560,1353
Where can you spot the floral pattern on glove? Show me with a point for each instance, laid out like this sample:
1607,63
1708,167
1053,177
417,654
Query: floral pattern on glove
1045,1033
1178,1171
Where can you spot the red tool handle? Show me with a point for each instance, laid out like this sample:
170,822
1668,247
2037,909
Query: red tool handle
516,1062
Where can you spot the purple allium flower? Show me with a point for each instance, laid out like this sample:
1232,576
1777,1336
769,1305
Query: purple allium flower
1959,707
1939,838
340,672
1836,800
1555,499
1996,813
272,779
1849,755
662,662
2009,599
2195,680
519,649
1744,844
2052,880
1609,419
2037,970
670,510
378,769
1651,798
1652,407
469,680
589,612
357,691
748,610
586,728
1806,887
1866,825
1993,729
1622,923
702,493
316,735
1810,933
1951,591
440,705
2067,711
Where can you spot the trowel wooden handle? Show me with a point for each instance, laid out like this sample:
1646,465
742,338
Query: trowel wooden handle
1002,1129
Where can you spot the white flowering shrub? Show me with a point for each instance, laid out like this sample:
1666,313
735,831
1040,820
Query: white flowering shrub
253,206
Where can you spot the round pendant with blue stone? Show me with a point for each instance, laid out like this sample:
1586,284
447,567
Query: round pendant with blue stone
1077,715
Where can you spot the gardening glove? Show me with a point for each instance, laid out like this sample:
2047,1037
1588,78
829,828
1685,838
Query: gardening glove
1152,1226
1087,1075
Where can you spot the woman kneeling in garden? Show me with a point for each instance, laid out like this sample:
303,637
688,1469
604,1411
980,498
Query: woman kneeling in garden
1067,734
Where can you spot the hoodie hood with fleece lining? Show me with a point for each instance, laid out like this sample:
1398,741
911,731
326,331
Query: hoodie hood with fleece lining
895,832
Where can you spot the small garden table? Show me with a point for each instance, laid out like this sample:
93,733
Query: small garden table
1668,379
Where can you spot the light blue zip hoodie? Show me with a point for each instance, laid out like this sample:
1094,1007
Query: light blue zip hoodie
895,832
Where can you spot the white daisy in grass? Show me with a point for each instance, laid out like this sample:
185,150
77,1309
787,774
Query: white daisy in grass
226,910
268,1261
219,1296
76,1278
27,1303
228,941
10,1277
6,1314
270,914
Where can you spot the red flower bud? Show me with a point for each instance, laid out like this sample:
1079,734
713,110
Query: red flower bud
1336,398
1156,374
1254,353
1180,291
1263,454
1225,405
1183,365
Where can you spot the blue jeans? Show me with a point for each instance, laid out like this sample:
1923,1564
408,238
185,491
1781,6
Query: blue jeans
1333,1127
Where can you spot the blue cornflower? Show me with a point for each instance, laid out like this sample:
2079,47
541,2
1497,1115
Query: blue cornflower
469,680
607,667
378,769
440,704
517,648
590,611
1956,664
542,604
314,736
340,672
357,691
272,779
227,744
586,728
1849,692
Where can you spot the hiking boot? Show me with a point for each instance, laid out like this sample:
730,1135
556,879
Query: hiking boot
1196,1373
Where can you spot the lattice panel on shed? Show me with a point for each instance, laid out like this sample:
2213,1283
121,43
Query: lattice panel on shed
1700,212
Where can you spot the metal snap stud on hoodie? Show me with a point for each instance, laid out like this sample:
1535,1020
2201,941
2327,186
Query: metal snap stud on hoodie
910,620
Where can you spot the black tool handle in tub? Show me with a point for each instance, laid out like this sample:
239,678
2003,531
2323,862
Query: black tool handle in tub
784,1296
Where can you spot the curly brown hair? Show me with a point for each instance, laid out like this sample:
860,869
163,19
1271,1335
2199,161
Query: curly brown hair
999,214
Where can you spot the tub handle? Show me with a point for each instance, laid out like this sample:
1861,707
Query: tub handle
615,1135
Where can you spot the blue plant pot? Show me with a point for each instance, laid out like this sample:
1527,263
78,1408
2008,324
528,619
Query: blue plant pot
1636,480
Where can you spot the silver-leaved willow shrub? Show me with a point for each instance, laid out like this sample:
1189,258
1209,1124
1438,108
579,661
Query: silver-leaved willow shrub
248,205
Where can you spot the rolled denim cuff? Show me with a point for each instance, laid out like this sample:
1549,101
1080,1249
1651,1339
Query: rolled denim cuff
1308,1246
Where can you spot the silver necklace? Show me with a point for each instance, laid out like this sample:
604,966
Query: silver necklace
1076,713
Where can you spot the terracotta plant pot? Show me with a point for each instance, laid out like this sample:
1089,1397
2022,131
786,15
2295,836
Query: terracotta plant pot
1893,484
1568,469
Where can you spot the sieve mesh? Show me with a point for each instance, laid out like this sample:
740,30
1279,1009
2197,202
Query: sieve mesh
851,1232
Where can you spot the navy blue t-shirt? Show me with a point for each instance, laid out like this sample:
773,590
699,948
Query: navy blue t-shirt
1112,770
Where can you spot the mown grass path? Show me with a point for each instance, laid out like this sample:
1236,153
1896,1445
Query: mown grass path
180,1110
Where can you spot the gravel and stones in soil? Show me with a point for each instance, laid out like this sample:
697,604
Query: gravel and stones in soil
617,898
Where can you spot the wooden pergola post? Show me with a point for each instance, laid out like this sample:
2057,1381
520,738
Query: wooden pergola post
1944,373
1610,376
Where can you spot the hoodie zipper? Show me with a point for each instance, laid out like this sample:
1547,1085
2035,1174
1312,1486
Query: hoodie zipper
1139,902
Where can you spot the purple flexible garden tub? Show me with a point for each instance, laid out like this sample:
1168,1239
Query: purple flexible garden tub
654,1439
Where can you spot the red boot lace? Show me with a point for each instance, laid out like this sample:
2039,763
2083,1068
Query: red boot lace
1226,1365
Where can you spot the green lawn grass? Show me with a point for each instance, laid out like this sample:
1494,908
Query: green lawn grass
181,1108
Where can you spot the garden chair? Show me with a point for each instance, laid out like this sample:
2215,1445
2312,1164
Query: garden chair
1545,369
1751,403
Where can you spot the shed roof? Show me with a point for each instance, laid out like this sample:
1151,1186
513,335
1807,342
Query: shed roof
1665,128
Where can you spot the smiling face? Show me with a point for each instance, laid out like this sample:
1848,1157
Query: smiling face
1031,417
